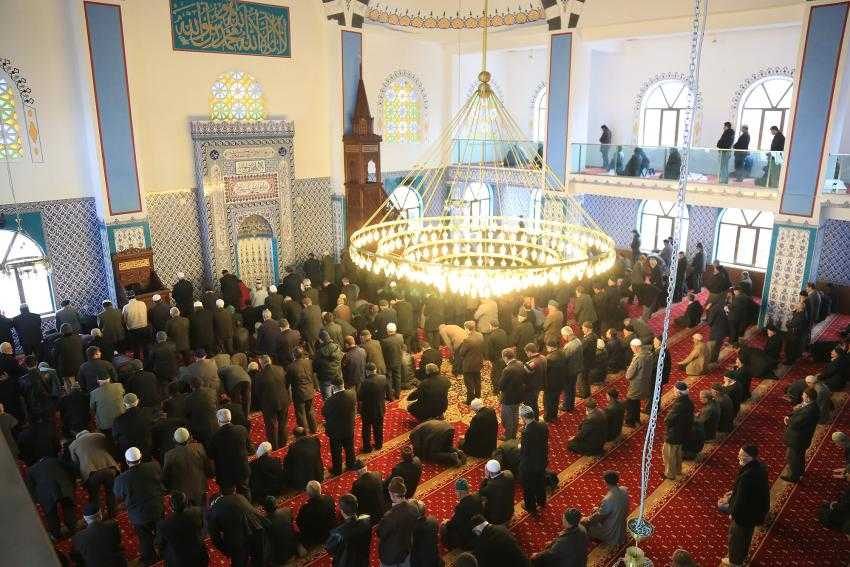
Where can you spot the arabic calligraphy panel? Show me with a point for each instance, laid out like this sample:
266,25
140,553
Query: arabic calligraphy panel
230,26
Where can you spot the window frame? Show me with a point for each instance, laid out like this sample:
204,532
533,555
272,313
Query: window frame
402,212
15,268
477,200
762,142
16,126
668,210
419,103
227,80
758,236
670,108
540,114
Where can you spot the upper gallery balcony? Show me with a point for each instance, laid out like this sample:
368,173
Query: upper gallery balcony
751,174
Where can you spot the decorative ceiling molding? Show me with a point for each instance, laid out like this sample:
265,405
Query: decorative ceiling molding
783,71
558,14
20,81
396,16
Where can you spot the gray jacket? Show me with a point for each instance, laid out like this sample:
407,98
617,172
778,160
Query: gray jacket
608,523
636,374
107,401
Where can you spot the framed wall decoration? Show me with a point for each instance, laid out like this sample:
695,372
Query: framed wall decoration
230,26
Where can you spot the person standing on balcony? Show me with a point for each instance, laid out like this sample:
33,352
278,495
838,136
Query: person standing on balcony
605,146
741,144
773,166
635,246
724,144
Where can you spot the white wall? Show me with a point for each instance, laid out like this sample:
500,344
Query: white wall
729,58
516,73
34,35
47,40
169,87
385,51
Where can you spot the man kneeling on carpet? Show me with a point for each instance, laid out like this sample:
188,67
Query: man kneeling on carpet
570,547
433,441
481,435
607,523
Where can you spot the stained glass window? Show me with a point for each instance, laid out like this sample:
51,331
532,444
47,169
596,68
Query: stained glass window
11,143
402,108
236,96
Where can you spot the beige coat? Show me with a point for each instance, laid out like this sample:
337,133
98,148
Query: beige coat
697,360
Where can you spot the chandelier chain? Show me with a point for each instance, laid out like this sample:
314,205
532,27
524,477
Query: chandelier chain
698,26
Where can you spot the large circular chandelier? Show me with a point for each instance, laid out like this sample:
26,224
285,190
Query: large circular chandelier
528,232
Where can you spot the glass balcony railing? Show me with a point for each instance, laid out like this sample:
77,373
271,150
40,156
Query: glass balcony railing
837,174
497,153
741,168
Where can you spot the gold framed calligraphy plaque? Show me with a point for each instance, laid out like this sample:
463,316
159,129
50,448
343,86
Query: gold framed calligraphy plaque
230,26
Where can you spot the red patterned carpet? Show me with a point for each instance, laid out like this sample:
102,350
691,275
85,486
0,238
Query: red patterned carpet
794,537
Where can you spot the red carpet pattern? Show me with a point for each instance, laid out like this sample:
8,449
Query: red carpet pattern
794,537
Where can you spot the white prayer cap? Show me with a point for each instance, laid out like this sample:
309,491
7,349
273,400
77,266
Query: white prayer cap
391,328
180,275
181,435
157,297
132,455
476,404
566,331
253,365
810,379
635,342
493,466
197,304
600,344
219,303
265,447
223,416
174,312
273,288
307,282
526,411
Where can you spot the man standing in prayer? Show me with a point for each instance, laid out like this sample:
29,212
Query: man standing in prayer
677,429
534,458
749,502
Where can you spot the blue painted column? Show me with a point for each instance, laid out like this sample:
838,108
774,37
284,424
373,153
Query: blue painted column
818,81
120,203
352,57
557,118
112,99
795,245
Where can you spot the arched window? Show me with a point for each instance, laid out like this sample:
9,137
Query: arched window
536,209
407,202
402,106
657,221
765,104
666,106
539,114
743,237
236,96
11,139
477,199
26,280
